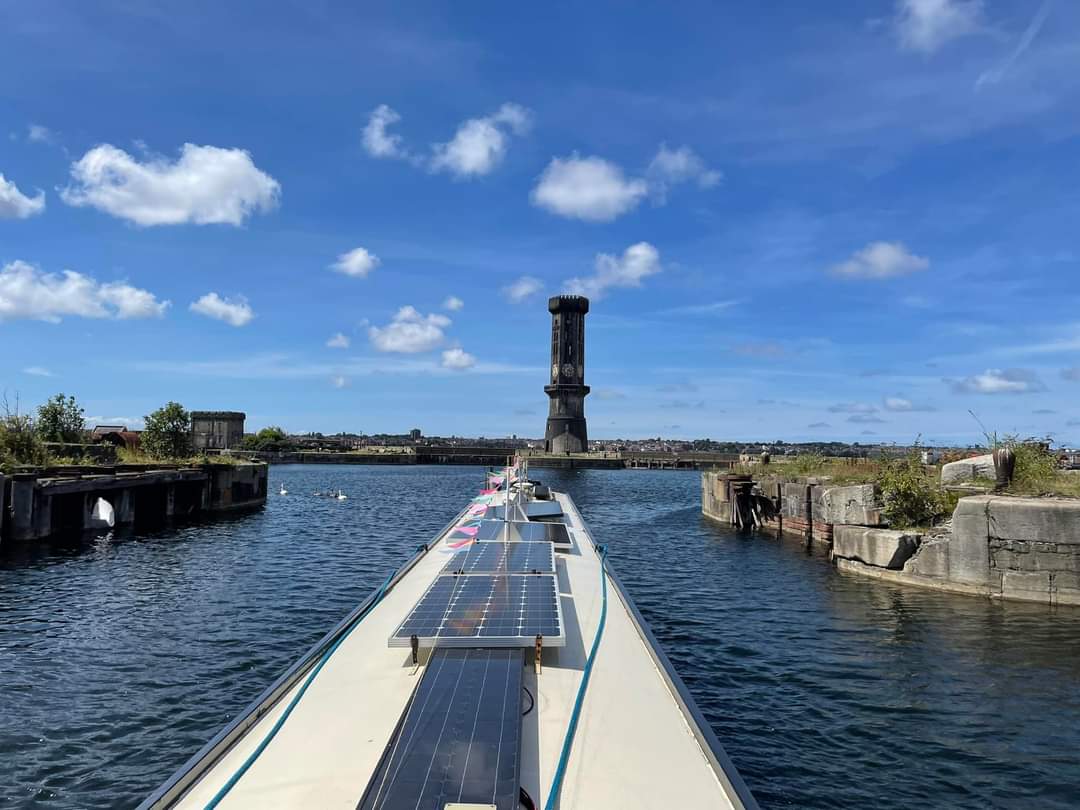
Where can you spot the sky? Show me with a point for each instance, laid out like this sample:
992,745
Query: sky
846,221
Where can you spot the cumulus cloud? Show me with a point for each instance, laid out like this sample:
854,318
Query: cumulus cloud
37,371
409,332
671,167
881,260
522,289
205,185
358,263
235,312
16,205
377,141
28,293
457,359
901,404
36,133
480,144
588,188
338,341
926,25
639,261
453,303
999,381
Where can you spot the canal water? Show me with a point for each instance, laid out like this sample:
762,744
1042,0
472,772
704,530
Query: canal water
121,656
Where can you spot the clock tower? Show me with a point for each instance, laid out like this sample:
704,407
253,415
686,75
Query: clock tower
566,416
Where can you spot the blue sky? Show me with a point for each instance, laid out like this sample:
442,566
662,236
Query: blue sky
800,221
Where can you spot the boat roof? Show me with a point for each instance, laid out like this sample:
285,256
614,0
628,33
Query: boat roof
640,741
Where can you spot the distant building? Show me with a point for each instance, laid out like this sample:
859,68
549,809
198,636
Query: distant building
116,435
415,434
217,430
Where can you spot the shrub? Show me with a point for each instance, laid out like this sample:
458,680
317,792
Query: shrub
167,433
19,442
60,420
910,495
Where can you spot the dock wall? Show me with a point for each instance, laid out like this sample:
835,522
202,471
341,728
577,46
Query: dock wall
1024,549
42,503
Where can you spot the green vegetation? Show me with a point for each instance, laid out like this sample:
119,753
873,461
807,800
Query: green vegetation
911,495
19,442
167,434
840,471
269,438
60,419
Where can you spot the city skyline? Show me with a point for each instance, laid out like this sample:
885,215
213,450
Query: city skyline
850,223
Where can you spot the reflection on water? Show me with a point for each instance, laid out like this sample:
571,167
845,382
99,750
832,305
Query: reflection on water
120,655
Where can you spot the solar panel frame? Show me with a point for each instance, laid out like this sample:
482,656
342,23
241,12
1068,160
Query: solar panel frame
496,557
455,612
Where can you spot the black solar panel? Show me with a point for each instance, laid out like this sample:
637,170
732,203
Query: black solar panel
460,738
485,611
504,558
532,510
513,530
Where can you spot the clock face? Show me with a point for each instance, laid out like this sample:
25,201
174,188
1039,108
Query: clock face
568,369
554,371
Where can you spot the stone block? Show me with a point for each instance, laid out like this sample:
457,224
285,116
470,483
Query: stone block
1037,520
969,547
1028,585
1067,581
968,469
856,505
884,548
931,559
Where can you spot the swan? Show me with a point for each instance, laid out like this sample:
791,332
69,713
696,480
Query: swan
341,495
282,490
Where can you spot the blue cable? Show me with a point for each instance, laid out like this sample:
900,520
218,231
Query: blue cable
568,741
296,699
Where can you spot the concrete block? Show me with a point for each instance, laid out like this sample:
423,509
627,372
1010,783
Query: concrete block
968,469
931,559
969,549
1032,586
1044,520
1067,581
884,548
857,505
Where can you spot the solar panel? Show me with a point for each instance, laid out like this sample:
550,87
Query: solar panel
460,738
513,530
532,510
503,558
485,611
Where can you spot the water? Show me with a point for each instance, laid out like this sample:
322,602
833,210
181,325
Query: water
120,657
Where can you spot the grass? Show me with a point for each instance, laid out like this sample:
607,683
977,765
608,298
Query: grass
840,471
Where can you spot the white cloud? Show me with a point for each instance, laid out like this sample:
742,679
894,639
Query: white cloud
637,262
522,289
926,25
377,141
357,263
996,74
409,332
671,167
235,312
16,205
338,381
480,144
999,381
205,185
37,371
588,188
897,404
453,303
457,359
36,133
338,341
881,260
26,292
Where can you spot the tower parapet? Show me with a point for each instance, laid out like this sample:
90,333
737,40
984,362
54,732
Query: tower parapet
566,430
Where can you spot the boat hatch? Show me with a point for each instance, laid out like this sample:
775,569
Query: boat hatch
533,509
459,741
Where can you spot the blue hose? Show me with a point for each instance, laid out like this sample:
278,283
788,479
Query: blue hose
568,741
296,699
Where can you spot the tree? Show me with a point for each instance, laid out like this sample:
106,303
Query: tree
269,438
168,432
60,420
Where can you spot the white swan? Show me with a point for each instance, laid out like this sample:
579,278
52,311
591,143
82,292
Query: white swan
341,495
282,490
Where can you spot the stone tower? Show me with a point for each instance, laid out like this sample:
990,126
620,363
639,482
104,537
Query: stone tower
566,431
